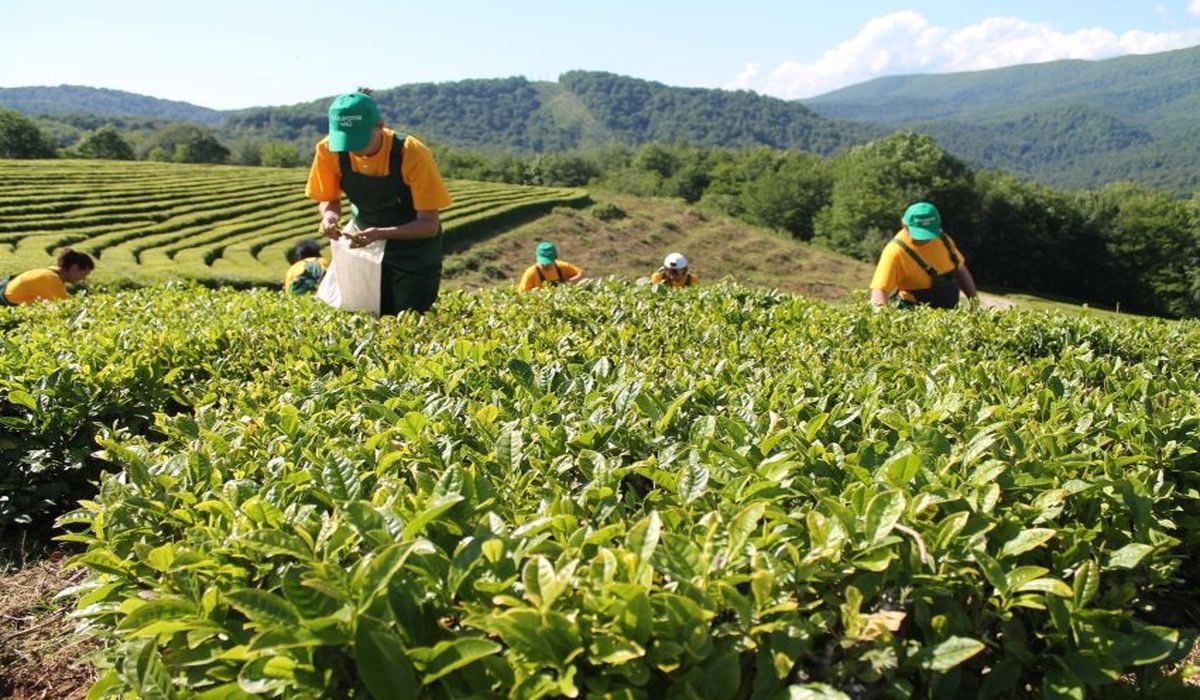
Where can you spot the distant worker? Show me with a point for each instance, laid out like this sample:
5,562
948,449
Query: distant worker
49,283
396,191
549,270
307,269
921,264
674,272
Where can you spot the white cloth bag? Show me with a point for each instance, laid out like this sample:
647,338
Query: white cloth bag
352,281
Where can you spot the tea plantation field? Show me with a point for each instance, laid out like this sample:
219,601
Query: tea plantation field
149,222
610,491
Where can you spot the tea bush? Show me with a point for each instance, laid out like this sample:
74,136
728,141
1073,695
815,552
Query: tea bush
619,492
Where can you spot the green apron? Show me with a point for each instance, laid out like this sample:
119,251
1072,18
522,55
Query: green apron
412,270
943,291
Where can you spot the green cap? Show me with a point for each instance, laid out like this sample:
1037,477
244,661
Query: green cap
546,253
923,221
352,118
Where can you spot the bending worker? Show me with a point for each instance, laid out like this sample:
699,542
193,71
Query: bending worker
307,268
549,270
395,192
921,264
674,272
48,283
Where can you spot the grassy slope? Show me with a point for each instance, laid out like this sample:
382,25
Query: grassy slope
634,247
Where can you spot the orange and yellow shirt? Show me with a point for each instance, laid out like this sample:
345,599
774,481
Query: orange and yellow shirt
418,170
897,271
36,285
687,280
560,272
298,268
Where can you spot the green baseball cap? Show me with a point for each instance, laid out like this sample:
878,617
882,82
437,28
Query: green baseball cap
923,221
352,118
547,253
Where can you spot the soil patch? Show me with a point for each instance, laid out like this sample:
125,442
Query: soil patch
42,655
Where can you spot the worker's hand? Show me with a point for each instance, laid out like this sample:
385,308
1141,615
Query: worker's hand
973,303
365,237
329,226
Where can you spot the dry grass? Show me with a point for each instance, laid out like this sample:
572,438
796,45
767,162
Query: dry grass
41,653
717,247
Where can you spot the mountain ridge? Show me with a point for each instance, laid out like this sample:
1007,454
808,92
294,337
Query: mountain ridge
1069,123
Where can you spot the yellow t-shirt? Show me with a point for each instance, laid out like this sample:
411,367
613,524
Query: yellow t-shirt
418,170
36,285
297,269
561,272
688,280
897,271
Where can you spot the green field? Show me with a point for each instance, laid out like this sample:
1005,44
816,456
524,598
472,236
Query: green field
611,491
150,222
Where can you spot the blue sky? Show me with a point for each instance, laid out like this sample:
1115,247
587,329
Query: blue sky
227,54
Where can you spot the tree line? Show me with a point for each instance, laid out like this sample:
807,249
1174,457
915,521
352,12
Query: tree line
1123,244
138,138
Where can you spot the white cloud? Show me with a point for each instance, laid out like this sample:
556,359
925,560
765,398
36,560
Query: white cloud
746,79
905,42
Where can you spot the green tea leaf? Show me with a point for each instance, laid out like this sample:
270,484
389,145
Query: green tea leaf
382,662
510,446
643,537
22,398
156,611
949,653
263,607
1086,583
1027,540
459,653
692,481
883,512
1130,555
744,524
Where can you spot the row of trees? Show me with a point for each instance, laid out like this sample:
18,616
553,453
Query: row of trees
21,137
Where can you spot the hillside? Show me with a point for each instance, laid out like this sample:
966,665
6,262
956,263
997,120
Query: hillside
1064,123
80,100
582,110
717,247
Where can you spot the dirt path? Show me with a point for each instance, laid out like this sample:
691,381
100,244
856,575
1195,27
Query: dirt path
41,655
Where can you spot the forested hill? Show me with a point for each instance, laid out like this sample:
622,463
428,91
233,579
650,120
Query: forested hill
1065,123
582,110
82,100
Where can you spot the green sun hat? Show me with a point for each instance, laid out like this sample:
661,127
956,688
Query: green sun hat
352,118
923,220
547,253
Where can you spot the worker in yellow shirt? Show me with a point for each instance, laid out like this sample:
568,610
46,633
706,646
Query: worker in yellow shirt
395,191
549,270
307,269
921,264
47,284
674,272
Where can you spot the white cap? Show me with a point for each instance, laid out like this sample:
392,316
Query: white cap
675,261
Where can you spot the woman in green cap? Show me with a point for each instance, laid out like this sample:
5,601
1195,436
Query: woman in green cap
921,264
395,192
548,270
